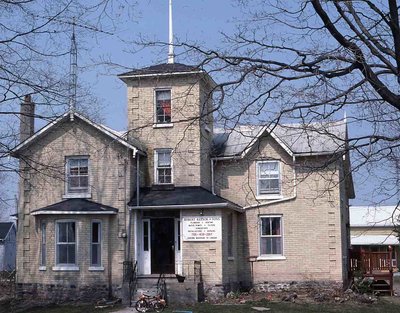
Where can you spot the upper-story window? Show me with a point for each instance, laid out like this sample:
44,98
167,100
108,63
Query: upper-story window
77,175
163,106
163,166
268,178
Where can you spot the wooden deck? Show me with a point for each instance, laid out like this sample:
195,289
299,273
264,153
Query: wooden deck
377,265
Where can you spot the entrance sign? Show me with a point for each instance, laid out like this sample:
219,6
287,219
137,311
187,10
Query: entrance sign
201,228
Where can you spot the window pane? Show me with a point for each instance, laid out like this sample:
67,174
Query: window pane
74,182
83,181
43,246
62,254
271,245
96,254
163,94
277,245
164,159
62,232
71,253
163,106
71,231
276,226
95,233
265,226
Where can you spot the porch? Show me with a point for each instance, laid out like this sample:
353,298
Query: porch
376,265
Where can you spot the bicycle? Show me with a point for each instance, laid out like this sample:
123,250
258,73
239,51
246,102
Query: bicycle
149,303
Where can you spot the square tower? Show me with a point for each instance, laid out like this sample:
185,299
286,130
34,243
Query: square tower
170,112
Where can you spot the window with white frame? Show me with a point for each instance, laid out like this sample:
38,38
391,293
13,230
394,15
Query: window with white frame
230,234
43,244
268,178
163,166
95,242
65,243
271,235
77,175
163,106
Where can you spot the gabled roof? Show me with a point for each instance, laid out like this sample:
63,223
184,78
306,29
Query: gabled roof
158,197
135,146
379,216
75,206
295,139
5,229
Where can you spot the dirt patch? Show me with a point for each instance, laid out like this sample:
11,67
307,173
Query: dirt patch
310,295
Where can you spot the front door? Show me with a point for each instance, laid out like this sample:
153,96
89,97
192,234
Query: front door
162,245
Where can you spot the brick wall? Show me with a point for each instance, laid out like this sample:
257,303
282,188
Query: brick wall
111,172
311,215
186,135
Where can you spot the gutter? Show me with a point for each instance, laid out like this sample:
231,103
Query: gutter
189,206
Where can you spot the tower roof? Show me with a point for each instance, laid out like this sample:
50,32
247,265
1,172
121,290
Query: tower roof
164,68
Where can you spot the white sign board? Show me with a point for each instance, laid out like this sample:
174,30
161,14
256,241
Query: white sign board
201,228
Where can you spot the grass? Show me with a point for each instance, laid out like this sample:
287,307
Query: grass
381,307
384,305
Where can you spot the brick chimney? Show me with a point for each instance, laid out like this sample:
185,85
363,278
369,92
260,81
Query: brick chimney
27,119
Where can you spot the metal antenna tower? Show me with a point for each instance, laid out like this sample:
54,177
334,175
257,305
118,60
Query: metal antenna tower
73,71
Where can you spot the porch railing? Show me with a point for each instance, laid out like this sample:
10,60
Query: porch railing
368,262
130,277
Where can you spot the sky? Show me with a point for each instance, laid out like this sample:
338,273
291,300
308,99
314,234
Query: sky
199,20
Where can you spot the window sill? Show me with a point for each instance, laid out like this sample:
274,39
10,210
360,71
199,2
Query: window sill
163,125
66,268
77,195
231,258
271,258
42,268
269,197
96,268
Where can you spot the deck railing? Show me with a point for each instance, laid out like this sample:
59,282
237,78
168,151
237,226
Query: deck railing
368,262
372,262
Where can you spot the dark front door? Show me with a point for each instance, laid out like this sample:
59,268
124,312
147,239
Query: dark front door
162,246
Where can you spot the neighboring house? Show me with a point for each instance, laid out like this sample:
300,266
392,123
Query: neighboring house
237,206
8,242
373,230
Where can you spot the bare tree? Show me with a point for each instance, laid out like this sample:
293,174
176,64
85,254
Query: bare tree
35,43
307,62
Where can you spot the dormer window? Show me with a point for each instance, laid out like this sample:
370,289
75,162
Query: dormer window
77,179
268,179
163,166
163,106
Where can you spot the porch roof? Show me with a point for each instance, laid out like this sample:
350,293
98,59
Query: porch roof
180,198
374,240
76,206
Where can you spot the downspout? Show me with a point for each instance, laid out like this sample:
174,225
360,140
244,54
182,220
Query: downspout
280,200
128,257
212,177
109,262
137,201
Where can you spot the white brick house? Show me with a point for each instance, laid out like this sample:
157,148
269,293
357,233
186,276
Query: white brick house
245,205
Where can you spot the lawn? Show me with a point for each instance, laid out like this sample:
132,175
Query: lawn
385,305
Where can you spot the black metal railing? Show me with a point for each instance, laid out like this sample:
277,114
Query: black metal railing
162,287
130,277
